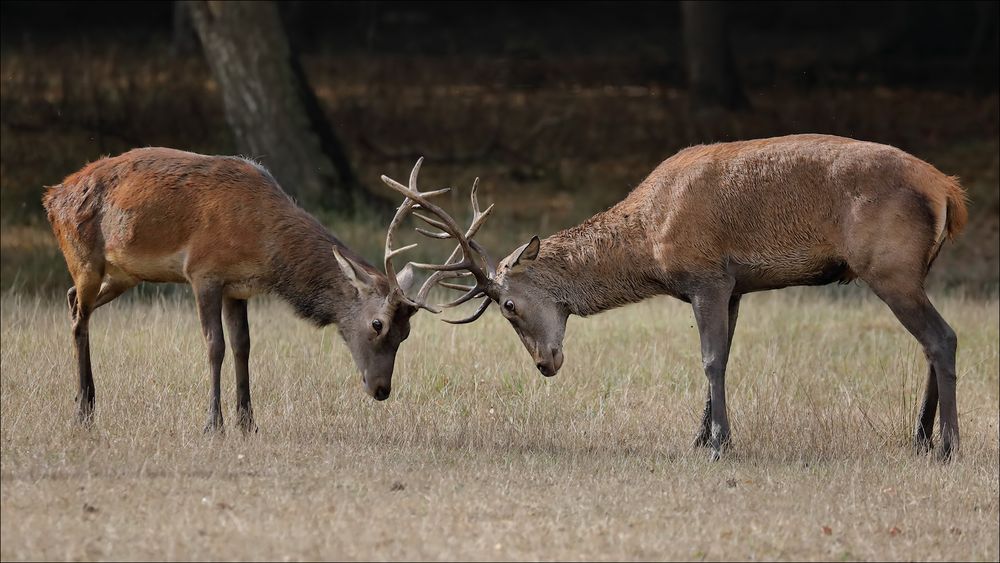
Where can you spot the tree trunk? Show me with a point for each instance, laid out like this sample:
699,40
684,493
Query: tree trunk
270,107
185,40
711,71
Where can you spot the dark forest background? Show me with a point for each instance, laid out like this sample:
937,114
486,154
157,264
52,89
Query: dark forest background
560,108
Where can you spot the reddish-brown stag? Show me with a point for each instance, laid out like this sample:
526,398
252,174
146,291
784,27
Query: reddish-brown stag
223,225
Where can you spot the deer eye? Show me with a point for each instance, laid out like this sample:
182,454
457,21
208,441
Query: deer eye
509,305
377,326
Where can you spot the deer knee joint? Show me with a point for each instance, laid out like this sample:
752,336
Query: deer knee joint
942,348
949,340
216,348
715,368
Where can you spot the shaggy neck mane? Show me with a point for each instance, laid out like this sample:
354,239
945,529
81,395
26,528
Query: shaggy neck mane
306,273
597,265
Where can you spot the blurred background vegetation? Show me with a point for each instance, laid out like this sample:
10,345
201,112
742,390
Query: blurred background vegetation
560,108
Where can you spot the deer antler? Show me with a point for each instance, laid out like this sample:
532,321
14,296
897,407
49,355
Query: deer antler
405,209
475,261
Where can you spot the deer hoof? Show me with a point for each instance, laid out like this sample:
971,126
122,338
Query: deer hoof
248,427
701,440
214,426
922,444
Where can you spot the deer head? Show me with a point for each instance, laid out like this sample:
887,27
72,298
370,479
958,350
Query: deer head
380,320
538,319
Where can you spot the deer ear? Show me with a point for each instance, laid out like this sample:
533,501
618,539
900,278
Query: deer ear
405,277
524,255
354,273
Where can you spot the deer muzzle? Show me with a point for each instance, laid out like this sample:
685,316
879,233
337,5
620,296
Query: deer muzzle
550,363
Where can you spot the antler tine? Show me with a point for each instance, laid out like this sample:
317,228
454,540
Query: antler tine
478,217
451,267
475,198
432,222
432,234
479,312
400,250
469,295
413,194
457,286
414,173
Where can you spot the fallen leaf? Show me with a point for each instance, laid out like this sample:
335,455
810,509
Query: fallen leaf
894,531
827,530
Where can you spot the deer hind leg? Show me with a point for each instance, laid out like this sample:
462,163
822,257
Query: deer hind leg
87,283
209,298
704,434
235,313
891,250
914,310
711,313
897,278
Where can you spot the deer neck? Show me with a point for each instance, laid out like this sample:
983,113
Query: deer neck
597,265
305,272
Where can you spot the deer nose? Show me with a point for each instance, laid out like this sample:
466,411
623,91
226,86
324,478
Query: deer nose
381,393
546,369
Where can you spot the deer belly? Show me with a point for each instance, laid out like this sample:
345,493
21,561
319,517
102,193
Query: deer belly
151,267
778,273
243,289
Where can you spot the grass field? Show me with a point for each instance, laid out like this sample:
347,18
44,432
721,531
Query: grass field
476,456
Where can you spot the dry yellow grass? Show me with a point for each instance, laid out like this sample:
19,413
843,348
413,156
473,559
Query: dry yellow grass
476,456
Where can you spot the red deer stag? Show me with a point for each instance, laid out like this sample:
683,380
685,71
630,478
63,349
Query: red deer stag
714,222
223,225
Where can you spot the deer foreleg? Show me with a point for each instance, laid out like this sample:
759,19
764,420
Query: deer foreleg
235,313
704,434
209,297
711,311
